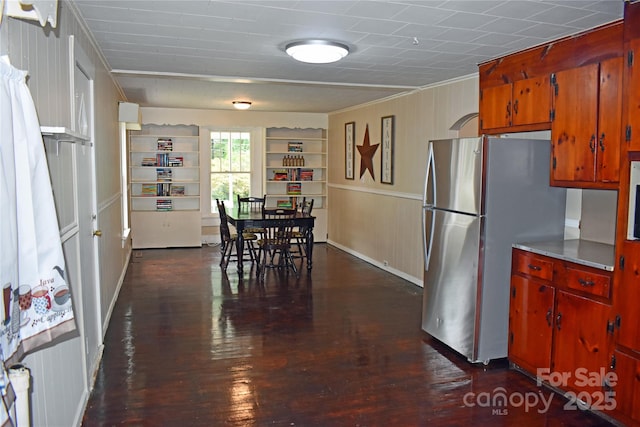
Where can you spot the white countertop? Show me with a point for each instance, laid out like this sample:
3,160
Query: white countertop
585,252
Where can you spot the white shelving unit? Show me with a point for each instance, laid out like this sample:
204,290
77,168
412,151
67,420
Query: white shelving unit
164,183
290,183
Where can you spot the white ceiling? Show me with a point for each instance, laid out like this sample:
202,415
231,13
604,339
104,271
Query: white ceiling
205,54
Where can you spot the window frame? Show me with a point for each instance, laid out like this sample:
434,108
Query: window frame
256,152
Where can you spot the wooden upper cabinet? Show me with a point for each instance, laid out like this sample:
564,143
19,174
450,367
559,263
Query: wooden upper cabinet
524,102
495,107
586,125
531,101
609,120
632,95
573,129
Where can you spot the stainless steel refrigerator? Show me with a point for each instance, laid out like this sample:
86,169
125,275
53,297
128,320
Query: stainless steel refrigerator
481,196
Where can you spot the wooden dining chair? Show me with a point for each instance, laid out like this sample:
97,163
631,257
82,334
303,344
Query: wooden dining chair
299,236
275,242
228,240
252,204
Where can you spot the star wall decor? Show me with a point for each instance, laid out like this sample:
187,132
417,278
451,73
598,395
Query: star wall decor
367,152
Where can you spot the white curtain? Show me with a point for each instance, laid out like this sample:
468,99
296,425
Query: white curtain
36,300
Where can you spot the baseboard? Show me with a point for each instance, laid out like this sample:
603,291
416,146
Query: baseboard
416,281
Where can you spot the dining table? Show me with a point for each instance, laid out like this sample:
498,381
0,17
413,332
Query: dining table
242,220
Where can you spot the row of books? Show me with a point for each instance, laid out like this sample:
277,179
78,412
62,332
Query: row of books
294,188
295,146
155,190
165,144
289,203
164,204
298,174
163,159
164,174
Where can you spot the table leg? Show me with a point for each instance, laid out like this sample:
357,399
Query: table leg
240,248
309,248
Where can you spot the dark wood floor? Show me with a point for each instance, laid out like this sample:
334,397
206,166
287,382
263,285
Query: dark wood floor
189,345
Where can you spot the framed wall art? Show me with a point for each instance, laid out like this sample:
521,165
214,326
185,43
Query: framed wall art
349,149
387,139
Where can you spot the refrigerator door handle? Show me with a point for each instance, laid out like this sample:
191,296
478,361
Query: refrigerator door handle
427,240
427,234
430,174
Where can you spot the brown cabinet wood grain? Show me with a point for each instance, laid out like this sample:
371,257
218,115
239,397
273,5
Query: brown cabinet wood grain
524,102
531,314
556,329
583,345
627,387
586,125
632,93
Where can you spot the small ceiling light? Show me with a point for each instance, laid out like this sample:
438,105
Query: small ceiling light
317,51
242,105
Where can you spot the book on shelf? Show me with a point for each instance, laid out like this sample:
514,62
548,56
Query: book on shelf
306,174
163,174
294,188
175,161
165,144
149,190
295,146
164,205
284,203
163,189
149,161
177,190
280,175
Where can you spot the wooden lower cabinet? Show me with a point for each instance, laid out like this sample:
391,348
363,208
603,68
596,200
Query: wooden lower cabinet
561,329
531,323
583,342
627,387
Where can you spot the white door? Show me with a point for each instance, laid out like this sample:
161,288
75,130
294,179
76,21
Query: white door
87,216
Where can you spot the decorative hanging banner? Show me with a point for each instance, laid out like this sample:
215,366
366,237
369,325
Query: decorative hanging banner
36,305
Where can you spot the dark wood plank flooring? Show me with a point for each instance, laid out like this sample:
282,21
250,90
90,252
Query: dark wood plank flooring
189,345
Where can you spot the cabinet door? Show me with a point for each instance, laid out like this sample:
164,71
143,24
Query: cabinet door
609,121
530,323
531,101
582,344
627,388
495,105
626,297
573,130
632,94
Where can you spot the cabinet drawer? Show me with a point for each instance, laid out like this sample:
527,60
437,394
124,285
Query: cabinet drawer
587,281
535,266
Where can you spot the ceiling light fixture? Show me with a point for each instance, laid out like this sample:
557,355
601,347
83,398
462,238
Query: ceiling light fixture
317,51
242,105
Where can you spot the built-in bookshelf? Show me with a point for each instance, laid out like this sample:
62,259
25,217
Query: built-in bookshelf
164,178
296,168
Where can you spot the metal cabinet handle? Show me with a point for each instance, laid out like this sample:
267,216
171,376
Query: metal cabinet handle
592,143
601,142
534,267
586,283
515,108
549,317
559,320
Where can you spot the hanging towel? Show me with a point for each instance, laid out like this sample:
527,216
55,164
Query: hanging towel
36,302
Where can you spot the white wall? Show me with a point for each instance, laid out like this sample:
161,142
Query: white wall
61,383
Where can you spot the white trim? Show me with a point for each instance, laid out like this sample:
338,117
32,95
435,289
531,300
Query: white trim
377,191
416,281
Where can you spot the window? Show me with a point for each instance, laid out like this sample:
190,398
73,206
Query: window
230,166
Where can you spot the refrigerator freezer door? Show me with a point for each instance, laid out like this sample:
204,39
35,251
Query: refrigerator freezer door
451,279
454,175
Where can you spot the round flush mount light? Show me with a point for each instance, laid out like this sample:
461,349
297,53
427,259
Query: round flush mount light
241,105
317,51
